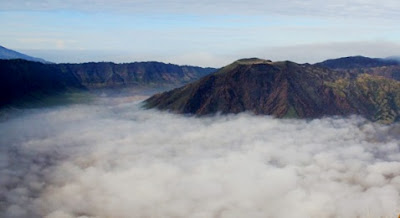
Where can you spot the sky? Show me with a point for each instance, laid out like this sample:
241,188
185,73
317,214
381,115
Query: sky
195,32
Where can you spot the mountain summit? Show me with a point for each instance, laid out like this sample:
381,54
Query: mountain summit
284,89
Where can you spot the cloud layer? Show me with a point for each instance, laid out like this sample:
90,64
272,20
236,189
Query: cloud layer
112,159
360,8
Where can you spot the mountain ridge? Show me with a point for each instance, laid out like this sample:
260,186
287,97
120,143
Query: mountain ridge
21,78
355,65
284,89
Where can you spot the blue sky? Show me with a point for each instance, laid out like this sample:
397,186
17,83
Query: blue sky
205,33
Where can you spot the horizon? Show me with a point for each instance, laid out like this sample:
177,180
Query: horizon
207,34
241,58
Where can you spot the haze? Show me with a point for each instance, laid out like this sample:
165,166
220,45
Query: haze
110,158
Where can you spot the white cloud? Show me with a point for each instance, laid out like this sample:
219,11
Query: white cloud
388,9
59,44
112,159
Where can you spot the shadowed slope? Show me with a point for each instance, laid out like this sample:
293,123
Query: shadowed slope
22,80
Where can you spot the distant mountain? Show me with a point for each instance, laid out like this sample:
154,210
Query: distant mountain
26,80
357,62
386,67
395,58
107,74
7,54
22,80
284,89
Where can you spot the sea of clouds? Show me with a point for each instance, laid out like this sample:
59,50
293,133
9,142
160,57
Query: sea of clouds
110,158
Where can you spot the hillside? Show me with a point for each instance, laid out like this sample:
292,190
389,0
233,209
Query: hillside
357,62
26,80
22,80
356,65
284,89
107,74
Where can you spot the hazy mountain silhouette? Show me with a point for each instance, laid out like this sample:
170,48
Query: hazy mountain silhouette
7,54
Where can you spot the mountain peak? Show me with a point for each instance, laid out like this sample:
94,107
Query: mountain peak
284,89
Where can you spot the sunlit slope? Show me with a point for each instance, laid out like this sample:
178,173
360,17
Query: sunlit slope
285,89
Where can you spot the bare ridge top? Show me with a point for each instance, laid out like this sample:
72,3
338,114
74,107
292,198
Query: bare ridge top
253,61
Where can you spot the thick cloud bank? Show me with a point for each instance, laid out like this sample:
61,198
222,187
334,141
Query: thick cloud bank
112,159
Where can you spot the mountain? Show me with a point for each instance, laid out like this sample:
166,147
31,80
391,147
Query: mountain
284,89
387,67
107,74
7,54
394,58
22,80
357,62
